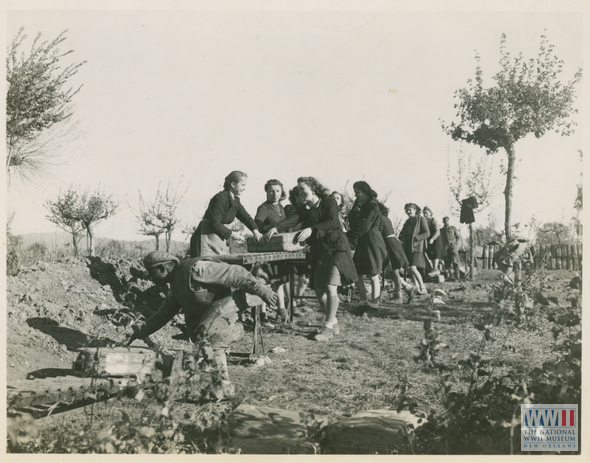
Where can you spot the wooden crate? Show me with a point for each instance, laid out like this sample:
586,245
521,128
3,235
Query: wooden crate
116,361
280,242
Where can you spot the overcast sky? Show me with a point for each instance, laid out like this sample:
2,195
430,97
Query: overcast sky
191,94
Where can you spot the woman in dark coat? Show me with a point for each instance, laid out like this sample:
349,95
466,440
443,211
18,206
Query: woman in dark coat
396,257
413,236
370,251
331,258
436,249
211,237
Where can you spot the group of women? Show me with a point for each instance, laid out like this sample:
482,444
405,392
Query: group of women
316,215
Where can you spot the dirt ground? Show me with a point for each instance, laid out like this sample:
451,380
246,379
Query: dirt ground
55,308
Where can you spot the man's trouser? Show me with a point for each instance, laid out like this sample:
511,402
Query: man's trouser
217,328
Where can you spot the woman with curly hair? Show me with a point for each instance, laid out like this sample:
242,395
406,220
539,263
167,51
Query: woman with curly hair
271,211
370,252
331,258
339,200
413,236
268,214
212,235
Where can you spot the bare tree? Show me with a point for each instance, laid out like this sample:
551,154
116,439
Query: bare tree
527,97
161,215
61,212
471,176
38,105
168,204
149,225
87,208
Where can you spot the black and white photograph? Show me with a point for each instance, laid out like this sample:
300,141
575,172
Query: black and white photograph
294,228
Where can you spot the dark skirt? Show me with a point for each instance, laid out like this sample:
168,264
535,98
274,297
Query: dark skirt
341,259
417,260
436,250
370,253
325,272
396,256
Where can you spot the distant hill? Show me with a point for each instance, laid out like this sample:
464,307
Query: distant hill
59,240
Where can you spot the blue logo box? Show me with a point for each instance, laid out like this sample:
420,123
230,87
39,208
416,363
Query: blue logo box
547,428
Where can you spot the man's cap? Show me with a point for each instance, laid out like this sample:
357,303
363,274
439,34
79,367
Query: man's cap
155,258
445,218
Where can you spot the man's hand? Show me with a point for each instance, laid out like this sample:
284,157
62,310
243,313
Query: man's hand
302,235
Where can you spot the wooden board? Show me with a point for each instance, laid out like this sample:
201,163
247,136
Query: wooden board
39,396
116,361
252,258
278,243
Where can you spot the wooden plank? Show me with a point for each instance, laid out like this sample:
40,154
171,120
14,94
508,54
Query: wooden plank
538,256
552,257
495,249
252,258
574,256
558,261
565,252
485,257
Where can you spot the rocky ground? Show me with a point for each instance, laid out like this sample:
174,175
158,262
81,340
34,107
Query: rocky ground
55,308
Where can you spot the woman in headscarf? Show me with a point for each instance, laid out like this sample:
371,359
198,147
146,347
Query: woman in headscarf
370,251
413,236
211,237
436,249
331,258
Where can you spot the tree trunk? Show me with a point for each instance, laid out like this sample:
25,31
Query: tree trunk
471,251
508,191
90,240
75,240
168,237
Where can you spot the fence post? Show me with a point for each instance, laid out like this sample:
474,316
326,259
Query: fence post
484,257
574,254
558,256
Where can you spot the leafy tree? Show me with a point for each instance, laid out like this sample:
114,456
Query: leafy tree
160,216
86,208
554,233
578,203
61,213
94,206
527,97
38,103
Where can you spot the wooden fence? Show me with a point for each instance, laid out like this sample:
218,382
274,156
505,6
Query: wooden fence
555,256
